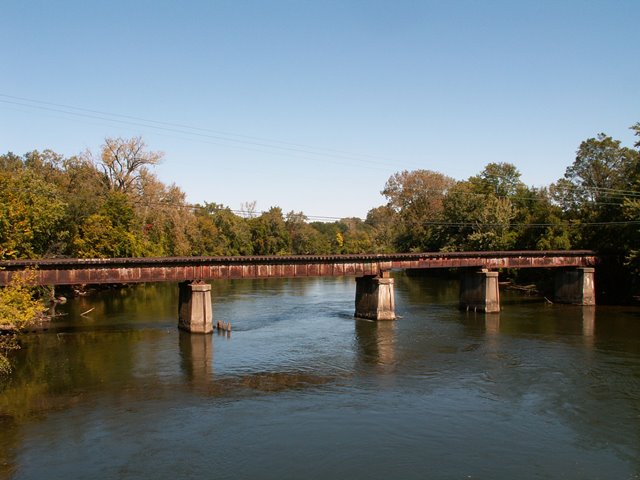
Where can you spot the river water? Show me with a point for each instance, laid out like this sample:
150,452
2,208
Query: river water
301,389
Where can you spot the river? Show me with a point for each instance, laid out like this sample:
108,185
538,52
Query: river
301,389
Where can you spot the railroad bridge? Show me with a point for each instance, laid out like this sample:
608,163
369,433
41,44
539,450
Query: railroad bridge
374,298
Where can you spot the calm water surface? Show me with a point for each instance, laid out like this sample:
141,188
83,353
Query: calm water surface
303,390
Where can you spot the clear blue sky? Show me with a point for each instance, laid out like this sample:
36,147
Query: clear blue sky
312,105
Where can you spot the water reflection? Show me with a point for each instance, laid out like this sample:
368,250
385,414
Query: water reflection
197,366
9,441
588,321
300,381
196,357
492,323
439,289
376,342
481,323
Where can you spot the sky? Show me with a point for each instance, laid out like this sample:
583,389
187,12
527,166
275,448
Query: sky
312,105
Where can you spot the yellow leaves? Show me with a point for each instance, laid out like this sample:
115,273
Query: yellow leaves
124,162
18,310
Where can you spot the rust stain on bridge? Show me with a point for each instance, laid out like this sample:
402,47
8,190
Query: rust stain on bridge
176,269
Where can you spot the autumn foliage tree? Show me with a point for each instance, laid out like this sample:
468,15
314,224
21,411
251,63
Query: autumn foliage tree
124,161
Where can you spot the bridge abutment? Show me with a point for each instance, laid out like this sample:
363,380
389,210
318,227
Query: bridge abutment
576,286
479,291
195,312
375,298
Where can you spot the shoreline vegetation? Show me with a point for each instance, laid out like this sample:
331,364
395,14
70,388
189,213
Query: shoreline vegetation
19,311
113,205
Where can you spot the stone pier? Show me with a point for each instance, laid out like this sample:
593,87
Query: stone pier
576,286
375,298
479,291
195,312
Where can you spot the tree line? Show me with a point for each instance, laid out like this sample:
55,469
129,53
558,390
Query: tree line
113,205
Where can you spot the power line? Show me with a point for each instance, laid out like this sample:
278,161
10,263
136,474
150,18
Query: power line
242,141
282,148
190,127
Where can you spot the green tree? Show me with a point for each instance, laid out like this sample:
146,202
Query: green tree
111,232
594,188
383,220
234,231
305,240
83,191
479,213
31,211
601,168
417,198
477,221
542,225
501,179
206,238
269,233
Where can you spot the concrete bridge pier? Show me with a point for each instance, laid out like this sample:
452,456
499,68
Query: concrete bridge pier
576,286
195,313
375,297
479,291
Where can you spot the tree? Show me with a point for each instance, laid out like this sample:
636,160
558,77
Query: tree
480,212
18,309
206,239
600,168
234,232
631,212
594,188
542,226
502,179
269,233
356,236
305,240
417,199
492,225
111,232
164,218
123,160
31,211
383,221
475,220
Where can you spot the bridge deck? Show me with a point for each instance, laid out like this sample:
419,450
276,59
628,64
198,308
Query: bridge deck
70,271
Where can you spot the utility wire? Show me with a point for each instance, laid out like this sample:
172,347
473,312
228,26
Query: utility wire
281,147
242,140
189,127
245,139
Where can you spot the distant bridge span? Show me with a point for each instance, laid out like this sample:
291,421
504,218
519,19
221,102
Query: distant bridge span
374,287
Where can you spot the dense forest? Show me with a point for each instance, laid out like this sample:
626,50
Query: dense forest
113,205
